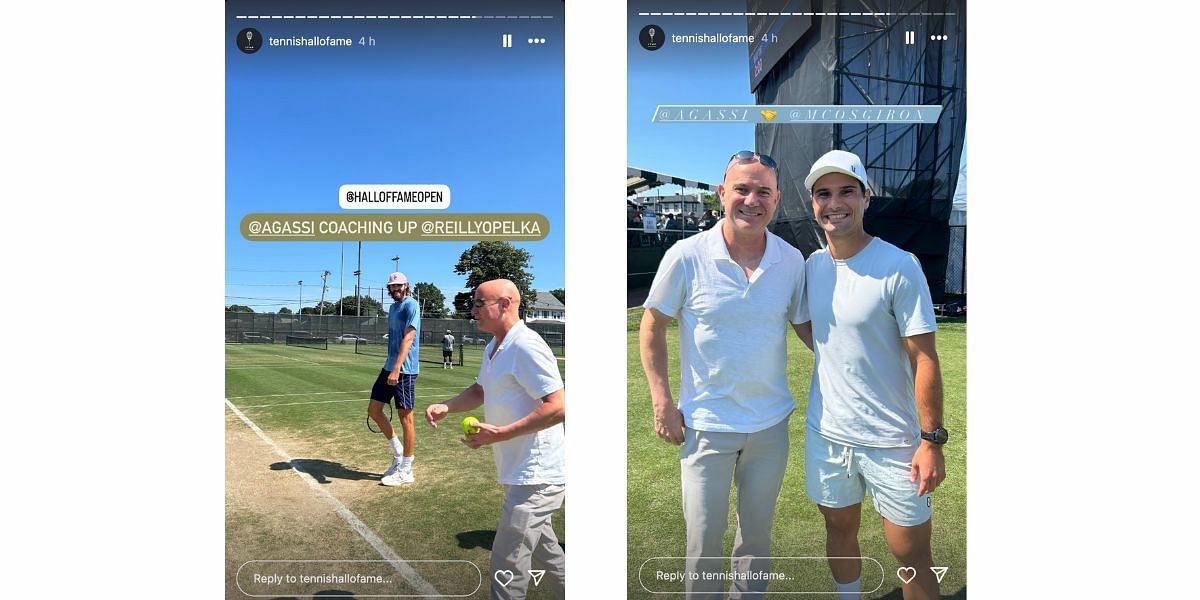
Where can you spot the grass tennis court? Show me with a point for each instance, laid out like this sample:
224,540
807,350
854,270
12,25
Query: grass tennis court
655,514
312,404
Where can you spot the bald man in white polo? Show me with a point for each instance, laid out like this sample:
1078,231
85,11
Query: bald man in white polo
523,402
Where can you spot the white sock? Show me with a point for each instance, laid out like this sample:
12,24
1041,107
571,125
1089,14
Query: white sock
849,591
406,462
397,447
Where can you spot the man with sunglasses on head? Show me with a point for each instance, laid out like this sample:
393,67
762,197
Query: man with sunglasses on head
524,406
396,383
734,289
875,402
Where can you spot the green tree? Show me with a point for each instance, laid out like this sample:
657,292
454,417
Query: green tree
711,202
370,307
497,260
320,308
462,305
432,300
242,308
561,294
285,311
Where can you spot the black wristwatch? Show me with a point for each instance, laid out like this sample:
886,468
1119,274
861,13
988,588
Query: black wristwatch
938,436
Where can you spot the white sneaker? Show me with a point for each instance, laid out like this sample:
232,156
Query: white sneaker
392,469
400,477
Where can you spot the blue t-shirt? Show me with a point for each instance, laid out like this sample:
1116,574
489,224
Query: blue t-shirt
401,316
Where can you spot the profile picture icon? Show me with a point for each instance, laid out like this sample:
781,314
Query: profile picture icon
652,37
249,40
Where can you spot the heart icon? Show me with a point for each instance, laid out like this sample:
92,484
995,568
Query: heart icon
505,577
906,574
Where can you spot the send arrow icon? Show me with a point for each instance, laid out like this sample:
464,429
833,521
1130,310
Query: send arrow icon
939,572
537,574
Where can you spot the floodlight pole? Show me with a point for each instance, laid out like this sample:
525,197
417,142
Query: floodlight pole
341,275
321,306
301,307
358,284
396,260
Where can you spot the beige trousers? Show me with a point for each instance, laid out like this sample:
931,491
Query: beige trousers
525,540
710,462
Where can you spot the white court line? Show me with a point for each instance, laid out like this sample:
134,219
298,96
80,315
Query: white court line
398,563
284,366
295,359
419,389
336,401
295,394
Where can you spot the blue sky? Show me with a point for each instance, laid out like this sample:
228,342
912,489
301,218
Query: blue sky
434,101
686,74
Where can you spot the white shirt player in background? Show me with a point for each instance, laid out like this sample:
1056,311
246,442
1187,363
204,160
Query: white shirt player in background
524,406
875,403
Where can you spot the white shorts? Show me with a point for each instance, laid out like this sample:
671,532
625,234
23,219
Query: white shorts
837,476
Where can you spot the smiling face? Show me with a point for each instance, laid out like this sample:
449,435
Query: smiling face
839,204
397,291
749,196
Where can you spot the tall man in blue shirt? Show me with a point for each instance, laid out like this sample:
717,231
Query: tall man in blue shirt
397,380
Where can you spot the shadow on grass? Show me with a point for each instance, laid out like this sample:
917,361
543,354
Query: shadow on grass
897,594
483,538
480,538
323,470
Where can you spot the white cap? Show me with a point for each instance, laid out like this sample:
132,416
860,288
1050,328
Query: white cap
397,278
837,161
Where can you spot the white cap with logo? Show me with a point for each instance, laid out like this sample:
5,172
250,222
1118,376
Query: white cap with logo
837,161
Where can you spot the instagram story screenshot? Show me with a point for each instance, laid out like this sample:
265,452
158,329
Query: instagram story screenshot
796,295
394,299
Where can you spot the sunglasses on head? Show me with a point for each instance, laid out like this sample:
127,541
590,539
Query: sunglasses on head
748,155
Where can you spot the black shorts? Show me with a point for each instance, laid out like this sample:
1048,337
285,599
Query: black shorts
403,393
447,353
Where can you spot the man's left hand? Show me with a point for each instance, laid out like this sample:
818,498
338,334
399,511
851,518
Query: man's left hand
488,434
928,467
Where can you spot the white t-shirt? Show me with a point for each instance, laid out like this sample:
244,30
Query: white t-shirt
861,309
732,330
514,381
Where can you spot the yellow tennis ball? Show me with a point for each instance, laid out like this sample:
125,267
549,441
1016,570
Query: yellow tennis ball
469,425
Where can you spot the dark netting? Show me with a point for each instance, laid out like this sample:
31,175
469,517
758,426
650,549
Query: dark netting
315,343
864,60
367,333
426,353
371,348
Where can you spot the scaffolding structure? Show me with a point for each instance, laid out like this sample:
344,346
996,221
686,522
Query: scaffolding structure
885,52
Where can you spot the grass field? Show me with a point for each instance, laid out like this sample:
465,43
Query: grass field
655,520
312,405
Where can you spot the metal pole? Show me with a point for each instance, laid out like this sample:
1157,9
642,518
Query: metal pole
341,275
321,304
301,307
396,260
358,284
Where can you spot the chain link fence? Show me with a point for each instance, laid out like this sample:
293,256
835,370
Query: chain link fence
262,328
956,263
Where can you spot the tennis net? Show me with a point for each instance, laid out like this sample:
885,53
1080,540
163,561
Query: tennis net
427,353
315,343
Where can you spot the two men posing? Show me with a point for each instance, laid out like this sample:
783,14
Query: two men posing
875,403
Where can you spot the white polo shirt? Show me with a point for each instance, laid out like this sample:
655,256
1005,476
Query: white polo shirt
514,380
732,330
862,308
